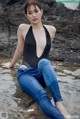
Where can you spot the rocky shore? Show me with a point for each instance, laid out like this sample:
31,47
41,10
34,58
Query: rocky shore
16,104
66,46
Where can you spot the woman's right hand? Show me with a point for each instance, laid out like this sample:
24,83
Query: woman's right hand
6,65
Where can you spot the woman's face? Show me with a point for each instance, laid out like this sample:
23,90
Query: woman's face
34,14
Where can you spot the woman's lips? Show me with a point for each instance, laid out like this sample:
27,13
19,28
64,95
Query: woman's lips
35,19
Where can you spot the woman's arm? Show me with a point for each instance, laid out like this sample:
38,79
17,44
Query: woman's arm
52,32
19,49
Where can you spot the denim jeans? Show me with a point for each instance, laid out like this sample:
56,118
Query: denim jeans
33,81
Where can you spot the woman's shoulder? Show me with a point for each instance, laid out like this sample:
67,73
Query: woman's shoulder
23,29
50,28
23,26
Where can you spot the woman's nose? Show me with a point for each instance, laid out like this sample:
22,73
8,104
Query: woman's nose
34,14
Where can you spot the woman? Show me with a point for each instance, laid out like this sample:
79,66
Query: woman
36,72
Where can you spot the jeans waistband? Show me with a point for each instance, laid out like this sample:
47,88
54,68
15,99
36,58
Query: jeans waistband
25,63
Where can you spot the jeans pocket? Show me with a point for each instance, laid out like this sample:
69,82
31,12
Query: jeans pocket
26,70
22,70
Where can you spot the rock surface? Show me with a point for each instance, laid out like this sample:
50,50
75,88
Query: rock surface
66,46
15,104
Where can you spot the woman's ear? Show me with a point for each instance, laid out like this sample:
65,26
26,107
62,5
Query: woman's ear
26,16
42,11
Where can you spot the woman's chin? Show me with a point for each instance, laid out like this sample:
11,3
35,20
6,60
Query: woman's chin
35,22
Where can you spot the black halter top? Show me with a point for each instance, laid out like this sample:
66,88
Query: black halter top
30,57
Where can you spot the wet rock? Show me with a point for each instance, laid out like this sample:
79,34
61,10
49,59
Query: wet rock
76,72
19,105
67,72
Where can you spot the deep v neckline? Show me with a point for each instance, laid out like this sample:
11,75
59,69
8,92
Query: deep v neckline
36,43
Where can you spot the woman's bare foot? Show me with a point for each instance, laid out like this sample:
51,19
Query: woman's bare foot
62,109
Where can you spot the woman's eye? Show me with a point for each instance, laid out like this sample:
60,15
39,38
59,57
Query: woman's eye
36,11
30,12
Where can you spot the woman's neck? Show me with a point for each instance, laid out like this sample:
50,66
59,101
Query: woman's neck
37,26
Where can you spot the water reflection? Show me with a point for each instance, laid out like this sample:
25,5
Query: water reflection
73,6
70,4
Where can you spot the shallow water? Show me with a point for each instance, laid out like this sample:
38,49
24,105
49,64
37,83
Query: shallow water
15,104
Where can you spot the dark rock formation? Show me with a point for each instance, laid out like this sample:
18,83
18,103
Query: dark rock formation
66,46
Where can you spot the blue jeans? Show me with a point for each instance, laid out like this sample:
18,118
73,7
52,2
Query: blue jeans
33,81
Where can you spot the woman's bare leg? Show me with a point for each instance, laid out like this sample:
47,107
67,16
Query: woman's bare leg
62,109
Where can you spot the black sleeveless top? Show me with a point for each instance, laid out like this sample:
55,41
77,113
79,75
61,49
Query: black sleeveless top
29,53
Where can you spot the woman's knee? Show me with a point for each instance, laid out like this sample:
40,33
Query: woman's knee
43,62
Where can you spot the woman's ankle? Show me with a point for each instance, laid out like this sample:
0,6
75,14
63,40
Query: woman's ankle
62,109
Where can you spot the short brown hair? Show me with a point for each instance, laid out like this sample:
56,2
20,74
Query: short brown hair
32,2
